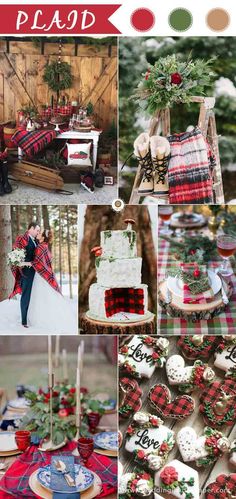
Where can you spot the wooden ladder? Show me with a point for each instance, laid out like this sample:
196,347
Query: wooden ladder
207,123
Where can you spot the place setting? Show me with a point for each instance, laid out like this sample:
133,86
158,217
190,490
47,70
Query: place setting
197,274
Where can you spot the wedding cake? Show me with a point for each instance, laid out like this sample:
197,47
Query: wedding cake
118,294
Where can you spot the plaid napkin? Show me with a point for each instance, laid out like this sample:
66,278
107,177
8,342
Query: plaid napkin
188,296
15,482
57,477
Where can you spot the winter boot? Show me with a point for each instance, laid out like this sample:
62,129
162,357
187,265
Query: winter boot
142,153
87,181
5,182
160,152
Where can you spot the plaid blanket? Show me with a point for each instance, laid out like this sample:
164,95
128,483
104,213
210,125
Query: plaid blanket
33,142
190,168
15,482
124,300
188,296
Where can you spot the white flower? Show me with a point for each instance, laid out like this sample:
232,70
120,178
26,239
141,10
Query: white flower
143,488
223,444
162,343
121,359
208,374
141,418
123,482
154,462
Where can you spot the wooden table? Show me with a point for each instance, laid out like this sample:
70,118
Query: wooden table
206,475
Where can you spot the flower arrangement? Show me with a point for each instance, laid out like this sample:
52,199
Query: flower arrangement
139,484
172,81
16,257
170,481
201,377
215,444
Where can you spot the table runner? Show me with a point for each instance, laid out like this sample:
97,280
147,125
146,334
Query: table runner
225,323
15,482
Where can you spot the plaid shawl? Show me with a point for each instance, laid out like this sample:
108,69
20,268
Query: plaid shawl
15,482
188,297
21,243
42,264
190,168
33,142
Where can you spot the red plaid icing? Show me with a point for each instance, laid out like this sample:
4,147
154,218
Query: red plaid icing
189,171
212,396
15,482
132,398
33,142
203,351
160,398
223,488
124,300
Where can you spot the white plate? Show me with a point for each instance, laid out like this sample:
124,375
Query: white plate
7,441
175,285
195,218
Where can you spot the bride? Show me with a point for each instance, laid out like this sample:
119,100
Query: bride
48,309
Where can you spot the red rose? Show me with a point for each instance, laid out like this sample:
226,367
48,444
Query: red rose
148,340
63,413
176,78
130,430
196,273
47,395
141,454
124,349
72,390
164,446
154,421
169,475
155,355
145,476
211,442
147,74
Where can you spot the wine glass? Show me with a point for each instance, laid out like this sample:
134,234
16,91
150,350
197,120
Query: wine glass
93,421
85,448
226,246
165,213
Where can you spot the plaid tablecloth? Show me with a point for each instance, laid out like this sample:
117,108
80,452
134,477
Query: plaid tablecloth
15,482
225,323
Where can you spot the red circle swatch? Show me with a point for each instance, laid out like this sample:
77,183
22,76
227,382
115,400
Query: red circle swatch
142,19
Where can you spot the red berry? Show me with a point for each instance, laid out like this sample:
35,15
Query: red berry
196,273
176,78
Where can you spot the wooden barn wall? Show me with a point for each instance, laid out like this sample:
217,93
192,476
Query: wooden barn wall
88,68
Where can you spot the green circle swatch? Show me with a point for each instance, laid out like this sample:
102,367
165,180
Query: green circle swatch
180,19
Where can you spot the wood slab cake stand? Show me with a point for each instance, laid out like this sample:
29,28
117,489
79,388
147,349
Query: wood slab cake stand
91,326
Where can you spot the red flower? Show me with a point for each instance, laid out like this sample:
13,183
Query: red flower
124,349
192,252
169,475
141,454
72,390
83,390
154,421
147,74
145,476
211,442
176,78
40,391
47,395
164,447
130,430
155,355
221,346
148,340
63,413
55,394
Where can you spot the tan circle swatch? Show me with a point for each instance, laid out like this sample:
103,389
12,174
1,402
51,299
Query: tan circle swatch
218,19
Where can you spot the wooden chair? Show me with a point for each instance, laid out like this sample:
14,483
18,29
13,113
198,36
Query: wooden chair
160,123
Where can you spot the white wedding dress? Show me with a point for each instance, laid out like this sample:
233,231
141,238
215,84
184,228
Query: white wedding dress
49,310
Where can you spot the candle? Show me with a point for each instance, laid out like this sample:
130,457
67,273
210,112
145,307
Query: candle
57,351
65,369
82,355
49,355
78,408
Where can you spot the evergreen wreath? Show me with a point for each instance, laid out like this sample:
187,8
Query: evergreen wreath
172,81
58,75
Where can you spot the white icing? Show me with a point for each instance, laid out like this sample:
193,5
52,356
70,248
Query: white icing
233,454
154,462
162,343
141,418
118,244
176,371
123,482
97,300
223,444
184,472
137,350
143,488
191,446
148,439
119,273
226,359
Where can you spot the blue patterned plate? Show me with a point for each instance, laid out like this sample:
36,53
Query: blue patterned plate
83,479
107,440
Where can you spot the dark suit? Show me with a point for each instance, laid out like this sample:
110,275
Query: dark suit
27,281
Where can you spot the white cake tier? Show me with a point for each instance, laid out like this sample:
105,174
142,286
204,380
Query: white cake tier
119,272
119,243
105,301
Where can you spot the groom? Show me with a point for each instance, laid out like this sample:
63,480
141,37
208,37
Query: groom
24,278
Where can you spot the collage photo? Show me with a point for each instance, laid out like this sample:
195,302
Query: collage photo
118,265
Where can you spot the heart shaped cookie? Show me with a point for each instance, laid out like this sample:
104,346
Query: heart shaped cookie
178,408
218,403
224,486
205,449
188,378
130,395
197,346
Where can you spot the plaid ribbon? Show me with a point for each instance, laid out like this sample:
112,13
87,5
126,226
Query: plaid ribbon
189,170
223,487
124,300
15,482
221,325
178,408
188,297
132,400
194,352
33,142
66,110
212,396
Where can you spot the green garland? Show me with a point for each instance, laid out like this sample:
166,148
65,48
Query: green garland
58,75
172,81
196,284
192,249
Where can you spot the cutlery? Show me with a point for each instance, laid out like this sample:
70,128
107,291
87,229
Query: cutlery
223,292
60,466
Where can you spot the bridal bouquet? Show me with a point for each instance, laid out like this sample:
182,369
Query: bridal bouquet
16,257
